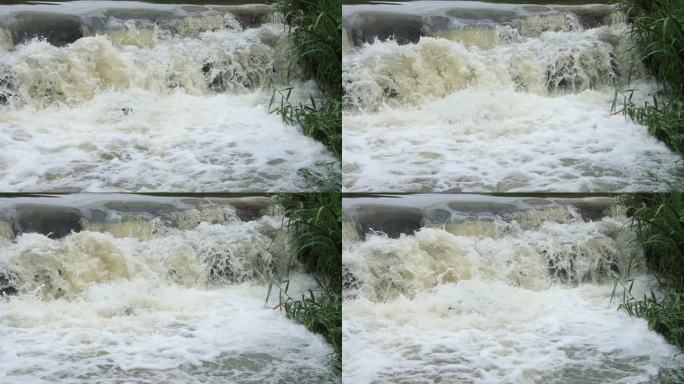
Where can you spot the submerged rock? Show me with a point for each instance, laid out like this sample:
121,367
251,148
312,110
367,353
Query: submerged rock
52,221
390,220
7,284
57,29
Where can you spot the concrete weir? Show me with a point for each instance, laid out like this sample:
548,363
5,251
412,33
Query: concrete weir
468,288
58,216
129,278
62,24
407,22
405,214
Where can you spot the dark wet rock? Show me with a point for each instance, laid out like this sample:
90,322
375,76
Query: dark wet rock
594,208
249,208
52,221
390,220
57,29
592,16
349,280
249,17
7,89
403,29
7,283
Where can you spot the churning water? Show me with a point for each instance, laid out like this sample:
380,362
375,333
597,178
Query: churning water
112,96
481,289
471,96
112,289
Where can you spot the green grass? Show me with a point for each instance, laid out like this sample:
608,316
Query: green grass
665,121
314,220
658,221
322,315
320,120
315,29
664,314
314,223
657,30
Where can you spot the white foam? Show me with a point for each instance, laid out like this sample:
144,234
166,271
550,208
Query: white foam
527,114
148,311
177,113
137,140
490,332
141,331
490,308
503,140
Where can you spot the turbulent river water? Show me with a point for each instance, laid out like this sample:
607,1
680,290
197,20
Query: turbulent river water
474,96
130,96
483,289
120,289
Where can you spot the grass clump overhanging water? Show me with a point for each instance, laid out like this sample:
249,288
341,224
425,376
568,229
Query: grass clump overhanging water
315,29
658,221
314,223
657,31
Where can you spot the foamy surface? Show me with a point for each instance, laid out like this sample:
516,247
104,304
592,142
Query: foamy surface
489,97
149,98
521,297
179,305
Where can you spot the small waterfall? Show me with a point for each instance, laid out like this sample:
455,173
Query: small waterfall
167,90
182,278
500,289
492,85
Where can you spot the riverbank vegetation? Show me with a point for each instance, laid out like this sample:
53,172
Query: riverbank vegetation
657,30
658,221
314,223
315,29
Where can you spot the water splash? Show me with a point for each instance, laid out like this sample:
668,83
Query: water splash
493,289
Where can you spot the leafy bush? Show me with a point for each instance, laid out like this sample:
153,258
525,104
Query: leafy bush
657,30
658,220
315,28
314,222
665,314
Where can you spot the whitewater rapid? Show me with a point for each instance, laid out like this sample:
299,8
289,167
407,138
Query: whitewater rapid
482,289
147,97
149,290
472,96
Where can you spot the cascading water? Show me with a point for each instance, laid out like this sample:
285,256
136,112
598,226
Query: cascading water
483,289
472,96
120,289
94,95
